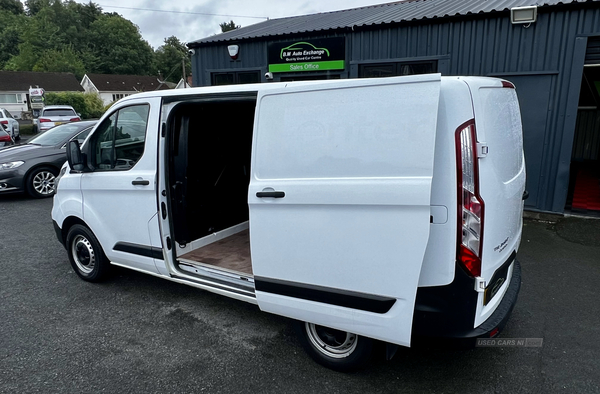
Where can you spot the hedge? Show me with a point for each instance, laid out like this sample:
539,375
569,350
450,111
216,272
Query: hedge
89,105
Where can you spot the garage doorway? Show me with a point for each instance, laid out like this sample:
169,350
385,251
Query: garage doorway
584,181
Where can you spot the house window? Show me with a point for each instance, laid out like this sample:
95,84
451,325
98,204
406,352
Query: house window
10,98
118,96
235,77
396,69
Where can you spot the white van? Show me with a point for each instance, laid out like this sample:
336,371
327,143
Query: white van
371,209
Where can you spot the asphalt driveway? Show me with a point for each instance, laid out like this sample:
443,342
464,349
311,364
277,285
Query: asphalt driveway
141,334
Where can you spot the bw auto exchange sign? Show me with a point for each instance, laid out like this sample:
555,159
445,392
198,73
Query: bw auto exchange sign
311,55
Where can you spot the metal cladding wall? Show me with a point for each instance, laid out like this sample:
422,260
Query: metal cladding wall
484,44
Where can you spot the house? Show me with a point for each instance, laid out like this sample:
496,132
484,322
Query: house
111,87
184,84
549,49
14,87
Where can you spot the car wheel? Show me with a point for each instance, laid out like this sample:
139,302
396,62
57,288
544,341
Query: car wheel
85,254
335,349
42,182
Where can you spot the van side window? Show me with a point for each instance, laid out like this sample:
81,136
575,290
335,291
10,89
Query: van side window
119,141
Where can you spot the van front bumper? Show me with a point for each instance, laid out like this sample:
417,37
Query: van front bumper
449,311
58,232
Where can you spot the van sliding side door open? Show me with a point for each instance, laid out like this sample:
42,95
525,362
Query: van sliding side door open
339,201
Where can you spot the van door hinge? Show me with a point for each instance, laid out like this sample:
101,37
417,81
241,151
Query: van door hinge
479,284
482,149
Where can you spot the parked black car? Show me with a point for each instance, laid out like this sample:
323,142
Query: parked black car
32,167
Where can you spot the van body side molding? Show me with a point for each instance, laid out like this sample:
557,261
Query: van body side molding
348,299
142,250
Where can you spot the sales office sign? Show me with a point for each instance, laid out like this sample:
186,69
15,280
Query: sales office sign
309,55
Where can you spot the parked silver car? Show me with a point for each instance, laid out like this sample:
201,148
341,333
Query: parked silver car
12,125
53,115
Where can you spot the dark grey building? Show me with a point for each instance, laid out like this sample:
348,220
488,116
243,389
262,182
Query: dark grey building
551,52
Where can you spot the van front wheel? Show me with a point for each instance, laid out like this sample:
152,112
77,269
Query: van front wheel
335,349
85,254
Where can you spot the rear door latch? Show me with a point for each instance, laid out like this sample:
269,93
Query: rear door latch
479,284
482,149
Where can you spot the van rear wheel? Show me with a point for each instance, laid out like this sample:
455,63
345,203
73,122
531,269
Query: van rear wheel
335,349
85,254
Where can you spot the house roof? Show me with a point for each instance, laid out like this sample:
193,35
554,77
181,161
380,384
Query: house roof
50,82
126,83
398,11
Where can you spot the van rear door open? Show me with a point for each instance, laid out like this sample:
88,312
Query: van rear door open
339,201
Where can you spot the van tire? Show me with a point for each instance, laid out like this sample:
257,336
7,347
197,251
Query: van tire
85,254
335,349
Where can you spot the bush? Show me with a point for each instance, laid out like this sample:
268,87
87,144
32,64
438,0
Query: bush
89,105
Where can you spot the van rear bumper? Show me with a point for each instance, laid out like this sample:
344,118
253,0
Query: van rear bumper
496,322
437,315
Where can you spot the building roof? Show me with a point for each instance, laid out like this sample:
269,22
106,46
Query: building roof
50,82
126,83
399,11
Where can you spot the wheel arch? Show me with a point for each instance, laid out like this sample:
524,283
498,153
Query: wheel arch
70,222
39,165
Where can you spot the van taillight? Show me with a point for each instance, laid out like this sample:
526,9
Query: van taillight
506,84
470,204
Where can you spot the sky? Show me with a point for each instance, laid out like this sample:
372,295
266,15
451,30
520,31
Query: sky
196,19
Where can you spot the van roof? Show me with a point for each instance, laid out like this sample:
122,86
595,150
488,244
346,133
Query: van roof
339,83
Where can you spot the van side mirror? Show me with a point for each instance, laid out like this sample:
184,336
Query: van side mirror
74,156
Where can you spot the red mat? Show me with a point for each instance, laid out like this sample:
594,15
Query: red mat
587,191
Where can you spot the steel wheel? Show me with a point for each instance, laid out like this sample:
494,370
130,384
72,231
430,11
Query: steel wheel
336,349
83,254
332,343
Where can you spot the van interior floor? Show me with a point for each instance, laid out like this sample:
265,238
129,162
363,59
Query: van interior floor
230,254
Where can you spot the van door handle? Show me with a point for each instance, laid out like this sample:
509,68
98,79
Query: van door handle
140,181
273,194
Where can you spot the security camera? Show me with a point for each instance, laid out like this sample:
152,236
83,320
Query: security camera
192,51
268,76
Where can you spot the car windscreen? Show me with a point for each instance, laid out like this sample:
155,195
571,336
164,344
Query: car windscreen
57,134
59,112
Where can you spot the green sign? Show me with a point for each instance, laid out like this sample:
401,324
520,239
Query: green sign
310,55
310,66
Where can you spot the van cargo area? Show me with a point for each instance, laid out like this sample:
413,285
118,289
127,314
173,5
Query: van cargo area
209,173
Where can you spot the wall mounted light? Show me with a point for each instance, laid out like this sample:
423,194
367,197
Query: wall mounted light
522,15
234,51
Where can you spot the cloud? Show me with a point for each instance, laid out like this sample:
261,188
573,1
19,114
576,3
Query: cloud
156,26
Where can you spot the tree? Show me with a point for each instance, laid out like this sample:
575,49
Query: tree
11,27
168,59
118,47
225,26
35,6
13,6
64,60
66,36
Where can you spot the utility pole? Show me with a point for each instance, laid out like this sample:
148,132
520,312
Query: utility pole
183,72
